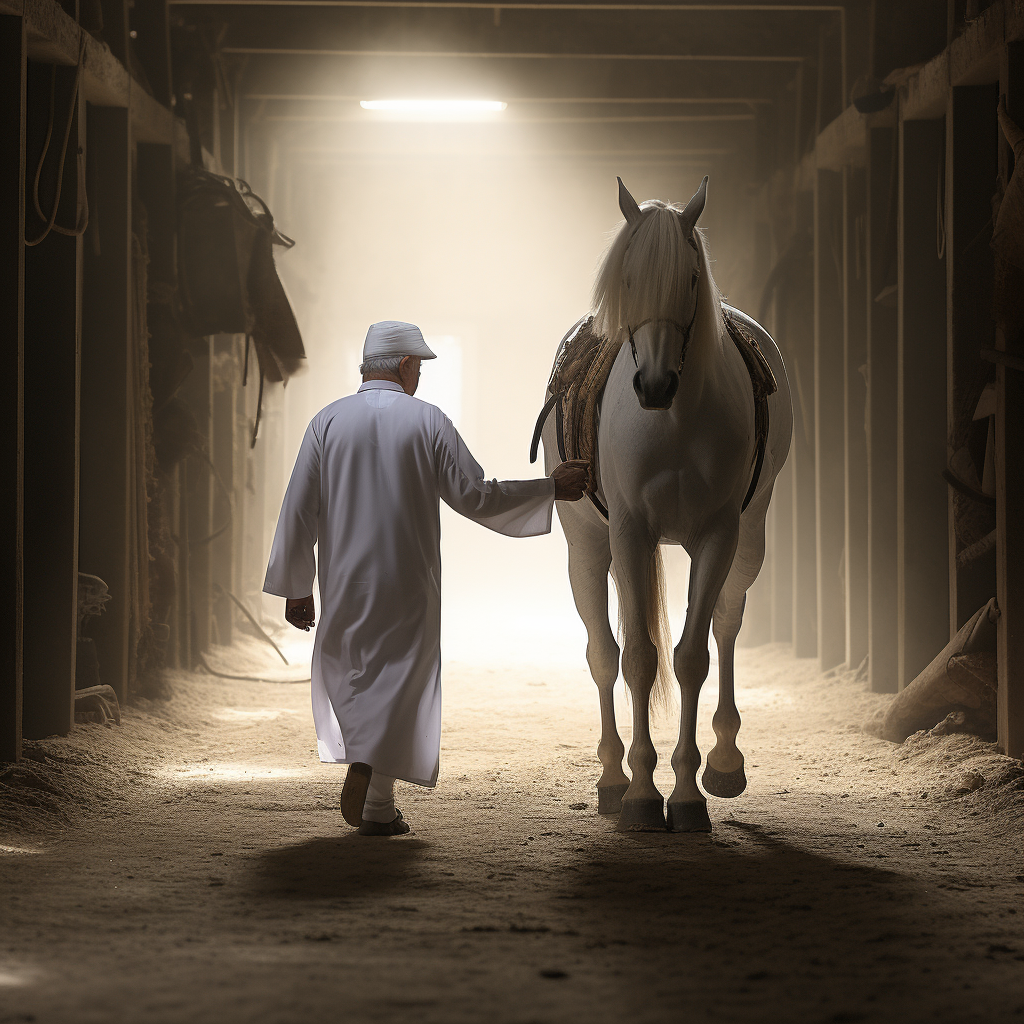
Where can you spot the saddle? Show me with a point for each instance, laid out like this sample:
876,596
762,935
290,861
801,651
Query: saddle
582,365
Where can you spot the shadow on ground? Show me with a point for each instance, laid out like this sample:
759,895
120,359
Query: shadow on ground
337,867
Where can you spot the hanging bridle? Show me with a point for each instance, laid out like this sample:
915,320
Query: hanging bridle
686,332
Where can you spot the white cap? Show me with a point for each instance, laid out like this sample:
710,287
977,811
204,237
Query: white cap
394,338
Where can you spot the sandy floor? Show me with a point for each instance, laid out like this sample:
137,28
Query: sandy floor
193,866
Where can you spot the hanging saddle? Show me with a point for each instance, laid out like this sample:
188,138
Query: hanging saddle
227,280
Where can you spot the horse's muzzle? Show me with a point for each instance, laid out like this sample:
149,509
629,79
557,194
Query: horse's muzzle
659,395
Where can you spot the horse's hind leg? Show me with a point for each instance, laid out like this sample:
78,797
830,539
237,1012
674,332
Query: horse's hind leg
589,560
643,807
723,774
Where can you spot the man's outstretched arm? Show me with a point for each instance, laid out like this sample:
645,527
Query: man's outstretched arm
516,508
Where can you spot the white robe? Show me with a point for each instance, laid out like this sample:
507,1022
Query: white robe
366,488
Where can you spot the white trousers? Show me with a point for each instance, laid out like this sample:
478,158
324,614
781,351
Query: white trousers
380,799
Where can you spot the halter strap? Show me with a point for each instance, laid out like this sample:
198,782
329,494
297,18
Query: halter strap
686,332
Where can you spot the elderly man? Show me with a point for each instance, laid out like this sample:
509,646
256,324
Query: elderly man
366,487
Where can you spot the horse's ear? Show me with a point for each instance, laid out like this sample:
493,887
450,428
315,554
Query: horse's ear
694,208
627,204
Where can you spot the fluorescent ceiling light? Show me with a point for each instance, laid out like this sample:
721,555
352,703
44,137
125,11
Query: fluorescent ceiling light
436,106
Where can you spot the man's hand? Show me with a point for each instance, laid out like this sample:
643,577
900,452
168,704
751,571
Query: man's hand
572,480
299,612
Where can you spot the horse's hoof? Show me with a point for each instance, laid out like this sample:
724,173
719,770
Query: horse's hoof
647,815
609,798
725,784
689,816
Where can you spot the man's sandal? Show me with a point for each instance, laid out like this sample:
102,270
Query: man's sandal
353,793
396,827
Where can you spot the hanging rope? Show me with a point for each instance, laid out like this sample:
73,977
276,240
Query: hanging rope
259,410
51,220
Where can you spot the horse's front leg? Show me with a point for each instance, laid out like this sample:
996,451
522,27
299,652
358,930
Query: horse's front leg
709,569
589,560
643,807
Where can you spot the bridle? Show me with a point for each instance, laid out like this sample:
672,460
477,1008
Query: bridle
686,332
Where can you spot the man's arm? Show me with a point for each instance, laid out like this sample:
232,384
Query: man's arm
516,508
292,565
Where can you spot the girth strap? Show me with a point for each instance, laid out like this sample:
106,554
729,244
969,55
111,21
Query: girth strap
763,384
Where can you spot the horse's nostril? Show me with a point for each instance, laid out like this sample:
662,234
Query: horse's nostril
638,385
673,387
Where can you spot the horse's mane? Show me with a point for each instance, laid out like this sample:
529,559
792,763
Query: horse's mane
653,257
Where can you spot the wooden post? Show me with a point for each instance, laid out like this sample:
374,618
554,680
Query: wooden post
153,44
972,164
223,457
242,482
922,538
13,52
1010,484
780,525
800,331
828,416
52,363
197,505
757,616
105,492
880,248
116,28
855,457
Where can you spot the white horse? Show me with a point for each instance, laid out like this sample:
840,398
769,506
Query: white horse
677,457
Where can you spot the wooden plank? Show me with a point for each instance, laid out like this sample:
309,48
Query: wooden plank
1010,488
12,266
106,498
921,519
855,455
971,168
52,364
880,249
828,418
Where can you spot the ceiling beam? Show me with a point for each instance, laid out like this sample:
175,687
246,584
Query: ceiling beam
474,5
709,101
625,119
526,55
505,79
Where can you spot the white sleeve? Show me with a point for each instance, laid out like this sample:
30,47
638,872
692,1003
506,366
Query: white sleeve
292,567
516,508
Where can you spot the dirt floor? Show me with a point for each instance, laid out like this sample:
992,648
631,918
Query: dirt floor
192,866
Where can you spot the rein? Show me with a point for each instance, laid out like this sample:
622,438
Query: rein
686,332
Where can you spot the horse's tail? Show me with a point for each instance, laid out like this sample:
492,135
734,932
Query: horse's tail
661,634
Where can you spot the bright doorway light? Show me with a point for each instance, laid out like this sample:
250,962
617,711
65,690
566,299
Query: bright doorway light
441,380
440,107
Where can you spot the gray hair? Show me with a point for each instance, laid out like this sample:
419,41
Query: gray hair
381,364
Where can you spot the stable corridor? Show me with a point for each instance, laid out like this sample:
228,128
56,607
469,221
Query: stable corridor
193,865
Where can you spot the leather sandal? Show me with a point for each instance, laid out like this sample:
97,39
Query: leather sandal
353,793
398,826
